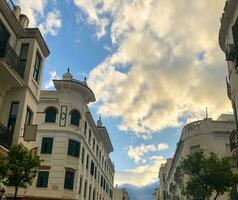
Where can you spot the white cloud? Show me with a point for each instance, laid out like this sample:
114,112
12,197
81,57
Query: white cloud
49,23
133,176
52,23
49,84
137,153
154,77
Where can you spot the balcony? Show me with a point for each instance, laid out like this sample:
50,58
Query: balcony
5,137
11,58
234,139
228,85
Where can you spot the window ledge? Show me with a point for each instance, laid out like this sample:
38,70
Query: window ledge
35,83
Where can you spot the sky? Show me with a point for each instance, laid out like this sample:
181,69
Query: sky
154,65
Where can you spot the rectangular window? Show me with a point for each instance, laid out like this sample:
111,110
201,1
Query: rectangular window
69,180
95,172
89,137
235,113
73,148
92,168
97,148
93,194
89,192
87,161
80,184
83,155
85,189
47,145
24,53
42,179
37,66
4,37
12,117
93,144
29,115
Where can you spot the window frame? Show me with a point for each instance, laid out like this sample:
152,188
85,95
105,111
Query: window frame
38,185
37,69
73,121
28,120
50,119
24,60
69,184
73,148
51,139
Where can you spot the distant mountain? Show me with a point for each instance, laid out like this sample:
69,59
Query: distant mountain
140,193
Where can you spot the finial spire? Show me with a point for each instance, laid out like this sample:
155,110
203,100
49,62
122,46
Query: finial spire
68,70
85,78
99,122
206,113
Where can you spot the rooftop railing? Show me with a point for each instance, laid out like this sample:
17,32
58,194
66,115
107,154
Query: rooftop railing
11,58
5,137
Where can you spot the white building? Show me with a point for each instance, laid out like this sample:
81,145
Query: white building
156,194
22,55
163,174
209,135
75,151
228,41
56,124
121,194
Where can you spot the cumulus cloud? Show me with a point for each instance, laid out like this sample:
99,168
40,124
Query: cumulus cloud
156,76
49,84
48,22
138,153
133,176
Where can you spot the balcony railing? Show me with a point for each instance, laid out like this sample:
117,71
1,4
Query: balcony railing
228,85
11,58
5,137
234,139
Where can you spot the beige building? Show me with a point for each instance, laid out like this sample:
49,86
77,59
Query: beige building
56,124
156,194
209,135
228,41
22,55
121,194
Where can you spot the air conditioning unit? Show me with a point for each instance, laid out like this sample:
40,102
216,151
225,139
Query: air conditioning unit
30,133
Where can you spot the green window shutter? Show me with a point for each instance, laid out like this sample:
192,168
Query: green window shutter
75,117
42,179
69,180
50,115
47,145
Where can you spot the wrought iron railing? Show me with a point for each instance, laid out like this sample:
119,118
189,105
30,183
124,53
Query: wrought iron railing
11,4
5,137
11,58
234,139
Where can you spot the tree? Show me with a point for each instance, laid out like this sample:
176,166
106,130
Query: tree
22,167
201,175
3,170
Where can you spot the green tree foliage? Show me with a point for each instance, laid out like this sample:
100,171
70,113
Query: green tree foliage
3,170
22,167
201,176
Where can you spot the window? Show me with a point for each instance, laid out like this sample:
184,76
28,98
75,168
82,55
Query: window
75,117
12,117
37,65
94,194
4,36
92,168
97,148
69,180
89,192
47,145
85,128
85,189
93,144
87,161
50,115
95,172
42,179
73,148
80,184
28,116
235,112
89,137
24,53
83,155
164,179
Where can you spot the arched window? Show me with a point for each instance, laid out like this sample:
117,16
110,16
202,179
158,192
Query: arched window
75,117
50,114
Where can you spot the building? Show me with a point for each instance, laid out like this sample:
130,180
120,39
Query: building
22,55
121,194
57,125
209,135
156,194
74,150
228,41
163,173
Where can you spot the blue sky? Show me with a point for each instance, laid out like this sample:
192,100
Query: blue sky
153,65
